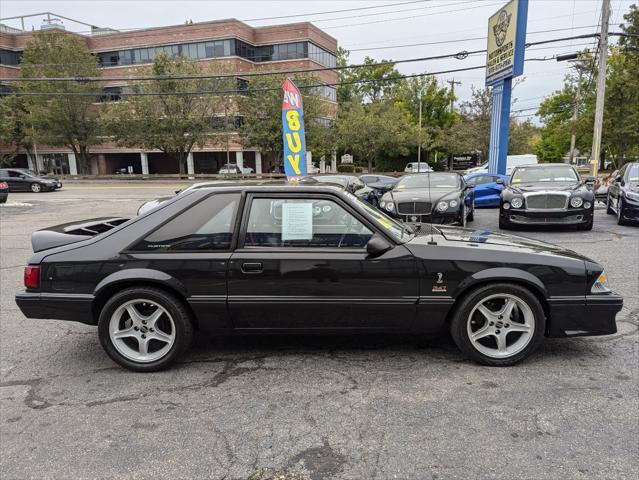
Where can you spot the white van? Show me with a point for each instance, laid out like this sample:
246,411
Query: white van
417,167
512,161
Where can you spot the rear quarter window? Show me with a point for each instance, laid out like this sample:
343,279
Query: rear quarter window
206,226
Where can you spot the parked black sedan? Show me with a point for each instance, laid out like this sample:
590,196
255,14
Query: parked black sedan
547,194
380,185
246,258
23,180
350,183
439,197
623,194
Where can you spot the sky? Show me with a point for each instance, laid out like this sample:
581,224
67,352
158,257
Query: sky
447,26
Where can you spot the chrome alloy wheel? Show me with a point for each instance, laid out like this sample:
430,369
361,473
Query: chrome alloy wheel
142,330
501,325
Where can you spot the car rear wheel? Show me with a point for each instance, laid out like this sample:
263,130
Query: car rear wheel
471,214
36,187
144,329
498,324
586,226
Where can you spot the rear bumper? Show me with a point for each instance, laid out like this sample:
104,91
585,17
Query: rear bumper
57,306
583,316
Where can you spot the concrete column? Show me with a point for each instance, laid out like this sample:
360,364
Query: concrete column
39,163
334,162
239,159
190,167
322,165
309,162
144,160
73,165
258,162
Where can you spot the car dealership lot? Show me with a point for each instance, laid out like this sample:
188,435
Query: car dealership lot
319,407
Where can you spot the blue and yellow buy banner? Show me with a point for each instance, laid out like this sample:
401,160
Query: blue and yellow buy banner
293,132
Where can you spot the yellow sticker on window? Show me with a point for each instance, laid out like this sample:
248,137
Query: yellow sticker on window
385,223
516,180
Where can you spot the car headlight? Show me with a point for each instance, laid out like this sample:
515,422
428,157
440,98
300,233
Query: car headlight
576,202
506,206
453,203
601,284
442,206
390,206
632,195
517,202
587,204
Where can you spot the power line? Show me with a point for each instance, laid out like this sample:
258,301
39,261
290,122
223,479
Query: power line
458,55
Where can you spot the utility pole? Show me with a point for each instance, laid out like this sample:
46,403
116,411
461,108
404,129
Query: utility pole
601,87
575,114
452,91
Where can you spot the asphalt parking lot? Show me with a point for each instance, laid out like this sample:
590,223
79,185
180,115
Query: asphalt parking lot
311,407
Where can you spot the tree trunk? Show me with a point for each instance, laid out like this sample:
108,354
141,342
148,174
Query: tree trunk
181,162
370,165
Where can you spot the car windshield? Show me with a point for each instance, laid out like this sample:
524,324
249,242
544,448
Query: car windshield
544,174
633,174
398,230
432,180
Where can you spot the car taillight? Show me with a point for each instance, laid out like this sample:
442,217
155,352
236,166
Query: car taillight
4,185
32,276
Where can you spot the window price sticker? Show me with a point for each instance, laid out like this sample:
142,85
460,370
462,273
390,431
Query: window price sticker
297,221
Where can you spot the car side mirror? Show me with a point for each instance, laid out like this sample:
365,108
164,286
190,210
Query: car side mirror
177,192
618,179
470,186
500,181
377,245
22,176
590,180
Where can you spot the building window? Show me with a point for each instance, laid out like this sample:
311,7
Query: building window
10,57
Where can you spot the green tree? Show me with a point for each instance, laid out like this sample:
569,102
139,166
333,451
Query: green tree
62,113
168,116
522,137
261,107
374,131
15,129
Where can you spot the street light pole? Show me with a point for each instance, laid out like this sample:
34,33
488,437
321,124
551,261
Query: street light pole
601,87
419,139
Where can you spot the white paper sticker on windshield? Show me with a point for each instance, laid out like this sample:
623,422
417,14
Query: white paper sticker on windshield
297,221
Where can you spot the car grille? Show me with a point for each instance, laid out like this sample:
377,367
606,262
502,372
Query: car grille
546,201
413,208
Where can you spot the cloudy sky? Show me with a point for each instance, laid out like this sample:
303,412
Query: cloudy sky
440,26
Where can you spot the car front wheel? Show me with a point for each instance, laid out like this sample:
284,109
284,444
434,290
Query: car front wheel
498,324
609,209
144,329
620,220
36,187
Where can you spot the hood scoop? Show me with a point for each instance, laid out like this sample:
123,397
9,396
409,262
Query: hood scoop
73,232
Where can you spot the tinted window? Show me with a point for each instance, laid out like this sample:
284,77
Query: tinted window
480,180
434,180
633,173
278,222
206,226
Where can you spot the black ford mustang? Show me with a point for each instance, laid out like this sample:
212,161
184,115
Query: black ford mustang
248,258
547,194
439,197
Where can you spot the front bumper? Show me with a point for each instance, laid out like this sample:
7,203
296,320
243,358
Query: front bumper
446,218
630,210
571,216
583,316
71,307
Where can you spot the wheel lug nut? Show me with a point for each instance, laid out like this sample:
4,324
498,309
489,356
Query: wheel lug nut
492,323
507,325
143,336
136,328
151,330
496,331
500,317
143,322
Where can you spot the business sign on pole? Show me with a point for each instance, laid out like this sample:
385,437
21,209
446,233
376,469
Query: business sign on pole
506,42
293,132
504,60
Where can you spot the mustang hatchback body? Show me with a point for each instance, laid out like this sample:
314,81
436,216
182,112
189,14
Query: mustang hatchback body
250,257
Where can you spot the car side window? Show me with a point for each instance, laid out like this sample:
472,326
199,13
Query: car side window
297,222
206,226
14,174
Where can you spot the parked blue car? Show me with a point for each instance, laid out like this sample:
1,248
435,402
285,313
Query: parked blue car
486,190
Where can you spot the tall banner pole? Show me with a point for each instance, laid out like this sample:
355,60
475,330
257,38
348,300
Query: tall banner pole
504,61
293,132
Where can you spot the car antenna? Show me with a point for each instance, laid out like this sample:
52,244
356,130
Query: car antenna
430,195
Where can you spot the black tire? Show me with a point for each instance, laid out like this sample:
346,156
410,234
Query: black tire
471,214
464,307
620,220
36,187
586,226
504,224
375,202
609,209
172,304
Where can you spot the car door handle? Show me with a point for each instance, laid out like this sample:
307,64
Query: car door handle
255,267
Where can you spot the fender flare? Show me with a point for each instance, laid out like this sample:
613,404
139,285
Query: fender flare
501,274
142,275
